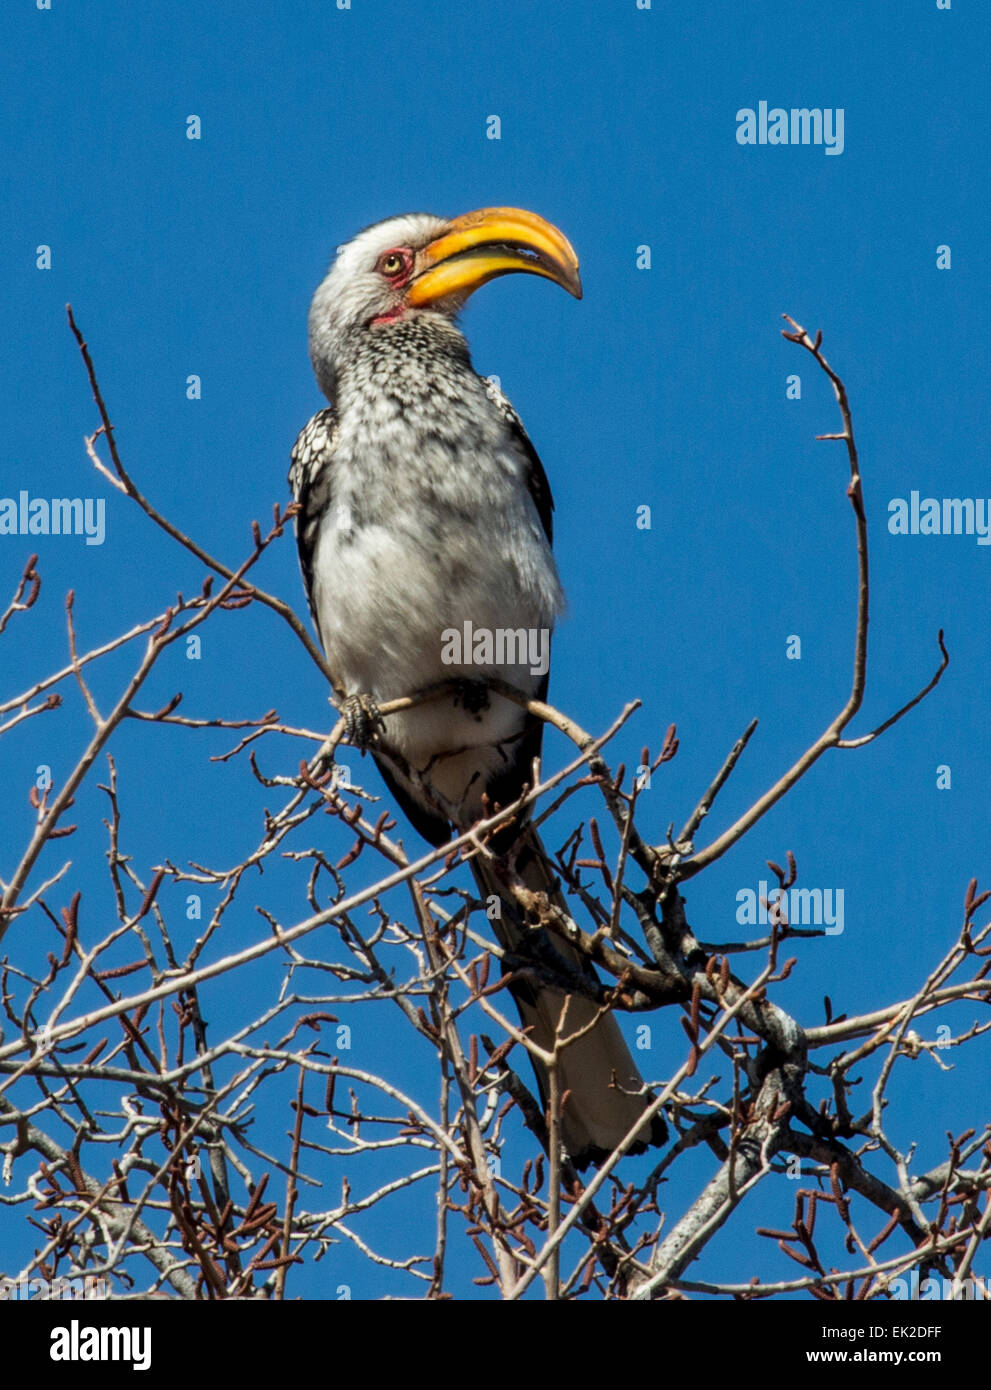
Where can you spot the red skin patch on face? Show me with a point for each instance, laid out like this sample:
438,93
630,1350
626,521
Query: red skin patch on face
391,316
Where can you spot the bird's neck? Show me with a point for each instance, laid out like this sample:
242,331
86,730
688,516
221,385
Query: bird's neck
407,358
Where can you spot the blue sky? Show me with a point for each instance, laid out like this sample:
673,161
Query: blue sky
663,387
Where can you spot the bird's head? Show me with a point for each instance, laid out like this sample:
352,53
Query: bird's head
418,264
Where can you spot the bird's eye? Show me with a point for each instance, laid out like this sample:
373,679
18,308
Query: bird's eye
393,263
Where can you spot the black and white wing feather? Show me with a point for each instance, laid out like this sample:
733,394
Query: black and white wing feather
311,481
536,481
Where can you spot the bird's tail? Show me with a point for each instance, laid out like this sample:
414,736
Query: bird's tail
597,1070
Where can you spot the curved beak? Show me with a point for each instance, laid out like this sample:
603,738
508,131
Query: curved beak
492,241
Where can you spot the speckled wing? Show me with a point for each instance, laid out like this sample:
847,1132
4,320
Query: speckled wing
536,480
507,787
311,479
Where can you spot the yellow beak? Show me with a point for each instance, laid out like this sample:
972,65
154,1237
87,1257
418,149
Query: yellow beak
492,241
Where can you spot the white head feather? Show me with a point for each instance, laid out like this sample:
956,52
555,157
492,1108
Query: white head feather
354,291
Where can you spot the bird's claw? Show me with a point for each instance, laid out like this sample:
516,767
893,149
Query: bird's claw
471,695
362,721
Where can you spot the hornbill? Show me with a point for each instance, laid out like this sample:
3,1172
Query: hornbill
423,514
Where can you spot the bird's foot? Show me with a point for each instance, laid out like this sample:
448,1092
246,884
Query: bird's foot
362,721
471,695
